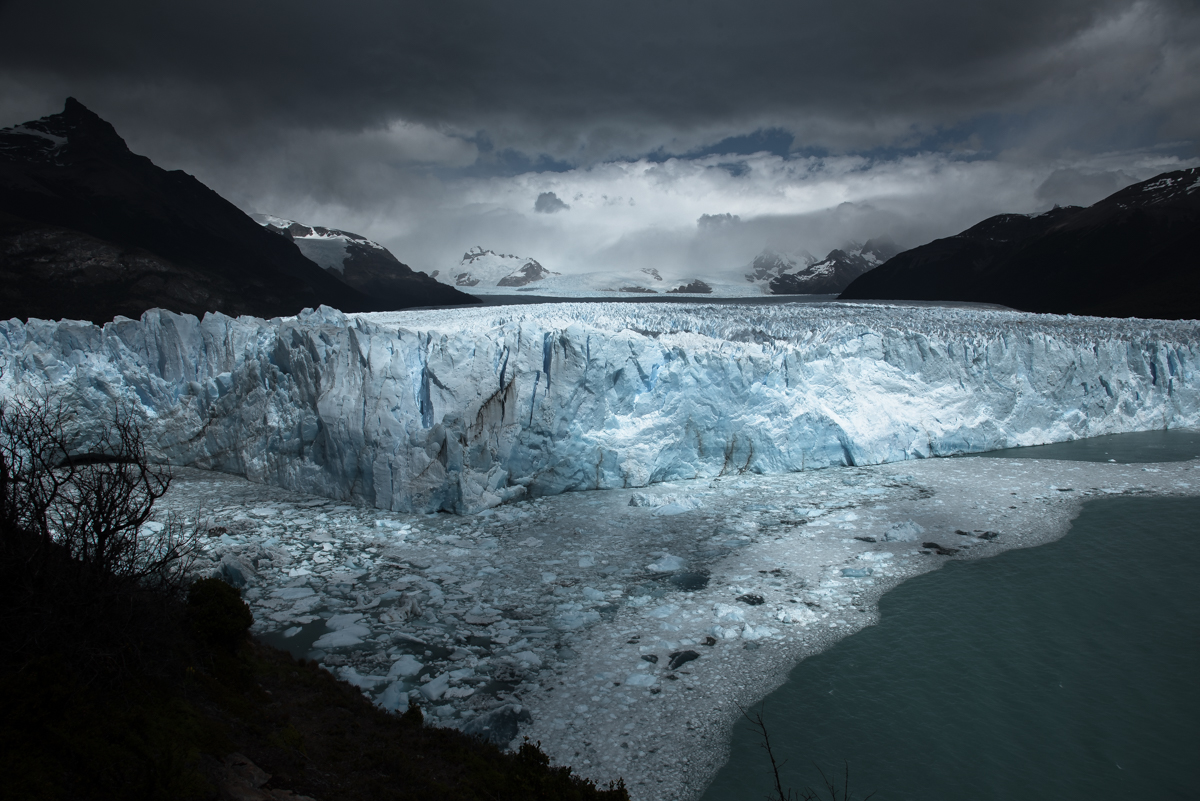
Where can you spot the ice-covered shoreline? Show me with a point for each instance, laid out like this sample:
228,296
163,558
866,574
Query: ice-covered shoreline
548,609
464,409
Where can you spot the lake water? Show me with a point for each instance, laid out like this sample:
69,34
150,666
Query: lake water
1067,671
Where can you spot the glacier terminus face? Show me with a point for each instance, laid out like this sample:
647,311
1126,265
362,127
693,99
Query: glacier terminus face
463,410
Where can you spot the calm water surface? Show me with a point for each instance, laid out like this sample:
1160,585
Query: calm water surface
1067,671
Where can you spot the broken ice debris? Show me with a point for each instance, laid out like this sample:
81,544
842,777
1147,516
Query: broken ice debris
666,564
903,532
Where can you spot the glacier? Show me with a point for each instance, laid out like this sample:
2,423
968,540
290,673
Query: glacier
462,410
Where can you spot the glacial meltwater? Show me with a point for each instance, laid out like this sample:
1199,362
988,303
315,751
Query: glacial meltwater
1066,671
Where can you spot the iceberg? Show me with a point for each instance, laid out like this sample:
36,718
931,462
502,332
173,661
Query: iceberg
461,410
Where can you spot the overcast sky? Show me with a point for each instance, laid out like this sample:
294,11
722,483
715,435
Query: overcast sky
685,136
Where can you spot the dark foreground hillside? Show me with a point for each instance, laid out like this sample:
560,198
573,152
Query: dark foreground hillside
307,734
1133,254
122,678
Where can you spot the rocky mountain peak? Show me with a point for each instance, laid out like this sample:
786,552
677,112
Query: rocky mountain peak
73,134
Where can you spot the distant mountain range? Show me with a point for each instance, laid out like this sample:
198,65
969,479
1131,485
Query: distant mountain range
1133,254
803,274
487,268
90,230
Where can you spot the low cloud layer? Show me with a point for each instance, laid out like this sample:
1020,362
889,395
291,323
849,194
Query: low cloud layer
678,135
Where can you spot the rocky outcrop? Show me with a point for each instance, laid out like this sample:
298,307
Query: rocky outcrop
696,287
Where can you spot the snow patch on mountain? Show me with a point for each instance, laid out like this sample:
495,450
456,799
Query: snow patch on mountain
328,247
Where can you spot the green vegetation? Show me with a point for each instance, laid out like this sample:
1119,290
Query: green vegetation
122,679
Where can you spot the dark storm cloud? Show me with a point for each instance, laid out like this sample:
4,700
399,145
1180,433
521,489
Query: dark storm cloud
430,126
548,203
588,80
717,220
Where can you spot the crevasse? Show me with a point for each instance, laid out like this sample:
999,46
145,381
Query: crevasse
465,409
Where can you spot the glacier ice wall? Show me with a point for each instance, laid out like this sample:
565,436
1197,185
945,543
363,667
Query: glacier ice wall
461,410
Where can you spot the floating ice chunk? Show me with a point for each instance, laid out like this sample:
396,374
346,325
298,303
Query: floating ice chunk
728,614
293,631
407,665
802,615
479,616
722,633
907,531
857,572
751,632
343,638
394,698
528,658
234,571
877,555
593,594
664,611
640,680
666,564
343,621
294,593
436,688
571,619
587,561
351,676
678,506
548,577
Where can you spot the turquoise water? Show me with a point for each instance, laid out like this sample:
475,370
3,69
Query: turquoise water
1067,671
1176,445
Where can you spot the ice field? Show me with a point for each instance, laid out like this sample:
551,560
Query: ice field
462,410
622,628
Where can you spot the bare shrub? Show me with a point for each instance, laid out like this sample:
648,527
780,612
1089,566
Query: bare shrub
832,790
84,570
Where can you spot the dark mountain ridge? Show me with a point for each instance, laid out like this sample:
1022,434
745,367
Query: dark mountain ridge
90,230
364,265
1132,254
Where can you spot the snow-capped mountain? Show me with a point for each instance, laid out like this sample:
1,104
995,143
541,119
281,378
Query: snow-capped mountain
802,274
487,268
1131,254
365,265
771,264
